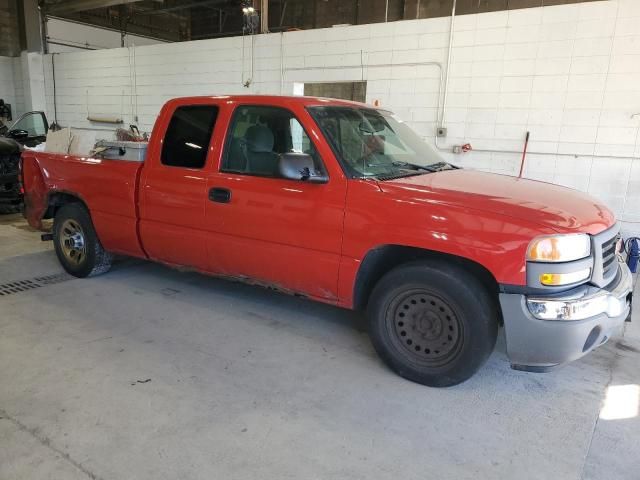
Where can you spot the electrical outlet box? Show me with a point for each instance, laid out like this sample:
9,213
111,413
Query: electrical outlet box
441,132
457,149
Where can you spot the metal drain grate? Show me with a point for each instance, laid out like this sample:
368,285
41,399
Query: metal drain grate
51,279
16,287
36,282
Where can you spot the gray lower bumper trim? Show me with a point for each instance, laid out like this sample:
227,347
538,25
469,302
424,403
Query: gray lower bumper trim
534,369
537,345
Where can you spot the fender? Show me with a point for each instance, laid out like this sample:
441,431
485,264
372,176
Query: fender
36,195
383,258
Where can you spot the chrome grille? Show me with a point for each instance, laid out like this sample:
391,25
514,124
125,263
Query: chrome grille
609,256
605,266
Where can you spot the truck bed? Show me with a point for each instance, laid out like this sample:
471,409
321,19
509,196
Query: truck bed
107,187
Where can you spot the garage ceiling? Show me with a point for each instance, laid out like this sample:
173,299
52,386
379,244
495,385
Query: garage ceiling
179,20
172,20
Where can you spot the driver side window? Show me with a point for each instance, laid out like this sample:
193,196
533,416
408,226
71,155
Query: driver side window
259,135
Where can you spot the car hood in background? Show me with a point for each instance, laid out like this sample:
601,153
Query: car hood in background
8,146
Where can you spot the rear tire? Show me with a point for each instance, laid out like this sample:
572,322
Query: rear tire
77,246
432,323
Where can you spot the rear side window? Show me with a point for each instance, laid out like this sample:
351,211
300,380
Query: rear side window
187,139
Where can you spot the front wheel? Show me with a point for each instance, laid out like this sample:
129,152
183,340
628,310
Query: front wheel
432,323
77,246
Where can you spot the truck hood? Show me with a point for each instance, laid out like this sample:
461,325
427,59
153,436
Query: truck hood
558,208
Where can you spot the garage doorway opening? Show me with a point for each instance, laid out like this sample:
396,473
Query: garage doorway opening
356,91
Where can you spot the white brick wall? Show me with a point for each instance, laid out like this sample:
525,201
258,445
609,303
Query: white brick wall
33,81
568,74
11,84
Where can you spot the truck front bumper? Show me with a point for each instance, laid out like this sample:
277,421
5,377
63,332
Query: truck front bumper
539,345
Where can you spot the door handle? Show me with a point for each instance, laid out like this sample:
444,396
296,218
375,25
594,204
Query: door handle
220,195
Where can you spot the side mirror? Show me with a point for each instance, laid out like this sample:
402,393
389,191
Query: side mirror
299,166
18,134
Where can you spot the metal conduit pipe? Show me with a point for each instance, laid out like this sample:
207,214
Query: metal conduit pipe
574,155
551,154
281,63
53,78
446,84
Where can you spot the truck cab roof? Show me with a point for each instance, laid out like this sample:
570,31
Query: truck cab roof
275,100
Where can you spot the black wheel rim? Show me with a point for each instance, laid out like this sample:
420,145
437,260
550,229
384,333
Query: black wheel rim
425,327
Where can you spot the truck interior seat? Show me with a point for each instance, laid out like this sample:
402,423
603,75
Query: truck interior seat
237,159
261,159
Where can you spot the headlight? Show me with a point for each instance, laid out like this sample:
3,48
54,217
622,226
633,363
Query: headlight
559,248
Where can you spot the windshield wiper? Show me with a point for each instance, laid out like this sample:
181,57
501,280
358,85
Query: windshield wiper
434,167
440,166
393,176
415,166
408,169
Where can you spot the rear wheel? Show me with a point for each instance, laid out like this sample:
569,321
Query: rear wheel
77,246
432,323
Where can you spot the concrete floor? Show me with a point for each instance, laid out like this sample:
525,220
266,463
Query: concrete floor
150,373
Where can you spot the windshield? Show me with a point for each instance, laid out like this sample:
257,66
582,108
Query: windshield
375,143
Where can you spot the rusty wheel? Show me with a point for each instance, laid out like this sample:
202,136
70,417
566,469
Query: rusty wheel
426,327
434,323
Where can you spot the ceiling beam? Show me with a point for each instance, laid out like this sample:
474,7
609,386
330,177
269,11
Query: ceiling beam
72,6
185,6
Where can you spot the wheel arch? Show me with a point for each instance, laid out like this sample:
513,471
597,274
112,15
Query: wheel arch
57,199
384,258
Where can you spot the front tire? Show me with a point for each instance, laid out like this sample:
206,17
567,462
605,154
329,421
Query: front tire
76,243
432,323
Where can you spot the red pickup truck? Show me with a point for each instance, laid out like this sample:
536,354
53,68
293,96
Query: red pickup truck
342,203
